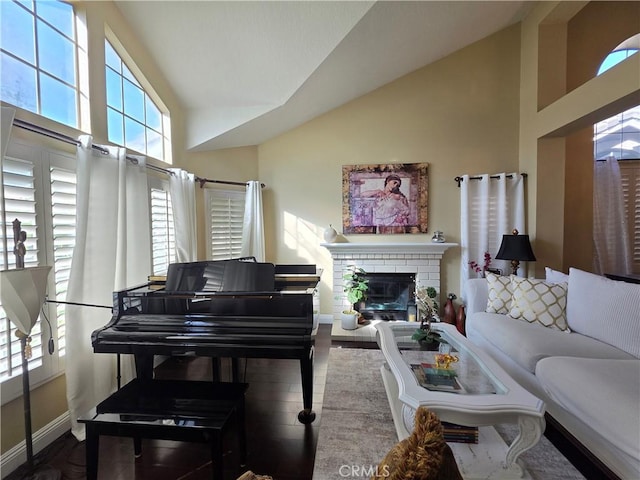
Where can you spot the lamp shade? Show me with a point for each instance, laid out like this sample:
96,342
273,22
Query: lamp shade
22,293
516,247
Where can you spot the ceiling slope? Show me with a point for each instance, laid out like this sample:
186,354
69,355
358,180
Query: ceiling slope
247,71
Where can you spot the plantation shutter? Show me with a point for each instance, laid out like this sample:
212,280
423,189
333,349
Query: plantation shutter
630,173
163,242
225,216
63,218
19,202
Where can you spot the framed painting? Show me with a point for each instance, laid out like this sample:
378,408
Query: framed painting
385,199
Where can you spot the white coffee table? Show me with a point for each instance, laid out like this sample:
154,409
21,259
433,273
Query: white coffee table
488,396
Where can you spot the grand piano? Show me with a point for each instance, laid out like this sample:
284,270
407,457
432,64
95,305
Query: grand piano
220,309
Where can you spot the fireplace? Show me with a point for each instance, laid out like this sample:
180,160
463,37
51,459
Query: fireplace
389,297
420,260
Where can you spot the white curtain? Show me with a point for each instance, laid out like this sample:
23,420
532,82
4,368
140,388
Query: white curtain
611,248
183,200
253,225
7,122
490,208
111,253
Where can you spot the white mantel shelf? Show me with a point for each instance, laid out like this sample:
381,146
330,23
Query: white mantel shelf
380,248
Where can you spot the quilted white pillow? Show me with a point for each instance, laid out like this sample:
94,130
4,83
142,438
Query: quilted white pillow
540,302
499,299
607,310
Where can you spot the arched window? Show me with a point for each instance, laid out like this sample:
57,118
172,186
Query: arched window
619,135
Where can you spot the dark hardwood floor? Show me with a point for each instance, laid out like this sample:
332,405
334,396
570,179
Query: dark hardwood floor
277,443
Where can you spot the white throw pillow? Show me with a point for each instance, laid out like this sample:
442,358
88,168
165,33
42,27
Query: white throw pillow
499,299
604,309
540,302
554,276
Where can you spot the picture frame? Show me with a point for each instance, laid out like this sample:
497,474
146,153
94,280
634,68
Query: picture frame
385,199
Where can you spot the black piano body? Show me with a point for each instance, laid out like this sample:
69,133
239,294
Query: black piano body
218,309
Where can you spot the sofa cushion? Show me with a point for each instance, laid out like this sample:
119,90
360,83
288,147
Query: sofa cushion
539,302
500,292
554,276
526,343
603,393
607,310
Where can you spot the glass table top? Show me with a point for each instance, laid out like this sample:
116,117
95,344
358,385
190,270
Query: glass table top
444,366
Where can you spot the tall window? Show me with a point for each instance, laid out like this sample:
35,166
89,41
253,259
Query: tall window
38,55
133,119
619,136
225,215
163,239
38,188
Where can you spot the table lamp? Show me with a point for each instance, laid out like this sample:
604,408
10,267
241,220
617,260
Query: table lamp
516,248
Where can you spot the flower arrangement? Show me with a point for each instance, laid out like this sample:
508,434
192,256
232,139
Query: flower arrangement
428,311
426,301
487,263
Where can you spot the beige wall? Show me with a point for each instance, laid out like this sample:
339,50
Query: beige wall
569,40
460,115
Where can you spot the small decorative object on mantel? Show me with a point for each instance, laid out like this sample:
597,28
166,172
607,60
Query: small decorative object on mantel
330,234
449,309
438,237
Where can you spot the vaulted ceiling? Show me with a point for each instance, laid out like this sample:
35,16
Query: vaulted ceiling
246,71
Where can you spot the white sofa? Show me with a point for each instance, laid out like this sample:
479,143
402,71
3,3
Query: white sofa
589,374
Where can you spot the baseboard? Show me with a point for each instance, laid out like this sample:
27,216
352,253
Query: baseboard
16,456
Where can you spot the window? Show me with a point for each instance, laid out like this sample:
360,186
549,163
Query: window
38,59
38,187
225,215
163,240
133,118
619,136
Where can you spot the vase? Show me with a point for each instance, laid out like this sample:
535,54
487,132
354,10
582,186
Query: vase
438,237
449,312
461,320
330,234
349,321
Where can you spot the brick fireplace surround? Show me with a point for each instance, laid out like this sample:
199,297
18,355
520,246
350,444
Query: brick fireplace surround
422,259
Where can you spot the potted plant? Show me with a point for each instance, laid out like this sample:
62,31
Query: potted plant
356,287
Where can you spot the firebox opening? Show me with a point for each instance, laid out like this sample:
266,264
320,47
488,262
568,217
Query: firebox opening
389,296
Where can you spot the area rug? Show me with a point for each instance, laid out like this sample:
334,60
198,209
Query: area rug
356,426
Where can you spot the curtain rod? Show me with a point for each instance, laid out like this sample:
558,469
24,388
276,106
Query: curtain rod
72,141
225,182
460,179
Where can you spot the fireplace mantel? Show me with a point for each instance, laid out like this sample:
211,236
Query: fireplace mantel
382,248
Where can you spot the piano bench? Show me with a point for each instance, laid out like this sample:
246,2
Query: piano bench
179,410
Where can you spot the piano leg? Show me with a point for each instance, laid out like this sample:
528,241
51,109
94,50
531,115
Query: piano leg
307,415
144,366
